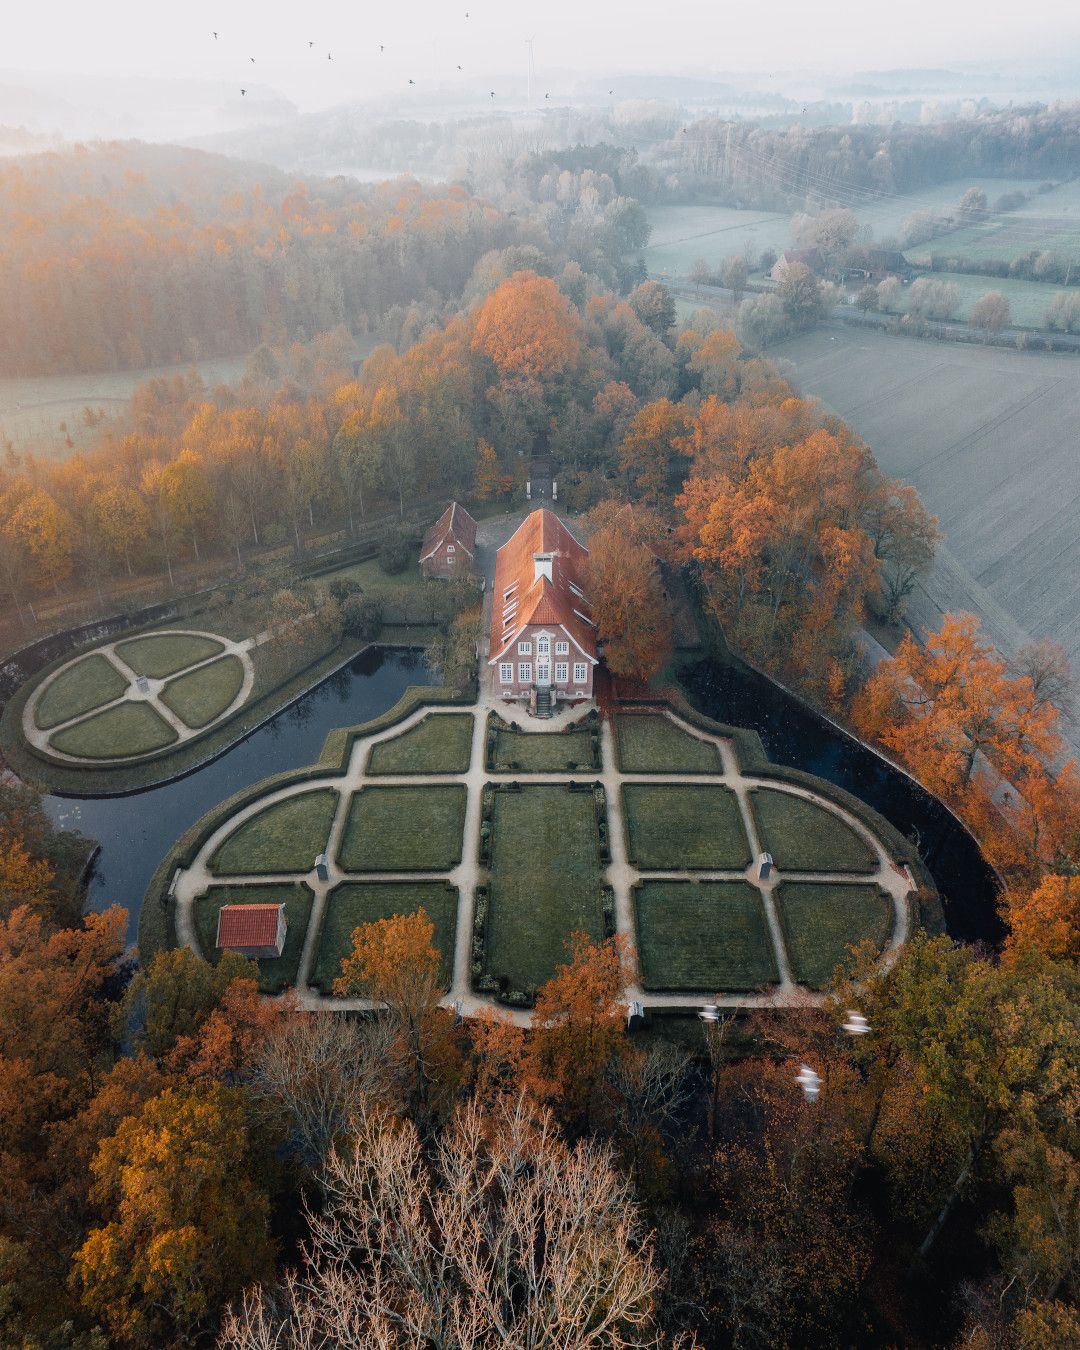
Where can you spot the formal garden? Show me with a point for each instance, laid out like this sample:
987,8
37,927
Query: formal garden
556,832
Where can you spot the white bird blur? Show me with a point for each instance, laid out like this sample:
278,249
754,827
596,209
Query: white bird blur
809,1081
710,1013
856,1024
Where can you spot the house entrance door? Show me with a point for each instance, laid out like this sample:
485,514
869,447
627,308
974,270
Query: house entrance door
543,672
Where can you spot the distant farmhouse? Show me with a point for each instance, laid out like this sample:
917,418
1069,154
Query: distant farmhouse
255,931
543,639
449,547
809,257
861,262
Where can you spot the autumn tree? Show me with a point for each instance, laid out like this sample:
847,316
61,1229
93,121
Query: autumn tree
45,531
1045,919
453,1244
529,329
24,879
120,521
655,307
649,450
394,962
905,537
990,313
578,1025
628,601
799,291
184,1217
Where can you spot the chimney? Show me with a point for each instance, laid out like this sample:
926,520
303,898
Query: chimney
542,566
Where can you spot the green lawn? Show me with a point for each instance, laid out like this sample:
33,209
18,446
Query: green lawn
86,686
543,751
274,974
201,695
820,922
676,828
707,936
648,743
284,837
355,903
404,829
118,733
162,654
805,837
545,881
441,743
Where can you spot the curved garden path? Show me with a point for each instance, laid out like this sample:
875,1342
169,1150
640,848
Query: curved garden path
42,739
191,882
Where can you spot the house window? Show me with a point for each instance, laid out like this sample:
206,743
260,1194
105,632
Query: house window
509,591
506,672
525,648
560,672
450,548
562,649
525,672
543,647
581,672
577,591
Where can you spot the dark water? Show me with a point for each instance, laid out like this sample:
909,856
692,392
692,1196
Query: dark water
795,736
136,832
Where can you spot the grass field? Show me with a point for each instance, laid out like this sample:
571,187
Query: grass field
356,903
163,654
821,922
653,744
276,973
805,837
284,837
545,881
679,828
1028,300
708,936
438,744
120,732
201,695
544,752
86,686
988,437
404,829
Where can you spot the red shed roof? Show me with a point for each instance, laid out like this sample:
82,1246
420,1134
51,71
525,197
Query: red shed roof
535,598
454,524
248,925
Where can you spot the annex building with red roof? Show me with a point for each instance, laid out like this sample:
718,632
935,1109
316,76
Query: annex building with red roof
543,638
449,547
256,931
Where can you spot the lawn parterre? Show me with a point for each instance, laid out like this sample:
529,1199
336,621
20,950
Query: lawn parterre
822,921
277,973
124,731
284,837
545,881
651,743
805,837
676,828
441,743
403,829
80,689
159,655
203,694
541,752
704,936
353,904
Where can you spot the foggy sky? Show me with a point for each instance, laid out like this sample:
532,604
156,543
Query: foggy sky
427,39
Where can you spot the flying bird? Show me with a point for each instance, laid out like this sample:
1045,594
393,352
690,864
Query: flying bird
856,1024
243,92
311,44
381,47
459,67
611,91
547,95
493,93
252,59
412,81
215,37
329,57
810,1083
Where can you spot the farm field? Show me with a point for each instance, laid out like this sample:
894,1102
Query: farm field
1028,300
988,437
35,411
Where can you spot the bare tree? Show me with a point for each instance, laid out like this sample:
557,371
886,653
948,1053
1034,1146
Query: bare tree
1046,665
317,1073
501,1235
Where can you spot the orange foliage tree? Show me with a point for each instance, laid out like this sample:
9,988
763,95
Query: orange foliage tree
529,329
1047,918
627,596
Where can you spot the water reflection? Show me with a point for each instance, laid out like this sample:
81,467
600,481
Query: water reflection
135,832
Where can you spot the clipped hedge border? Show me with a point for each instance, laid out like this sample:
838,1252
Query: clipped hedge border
157,930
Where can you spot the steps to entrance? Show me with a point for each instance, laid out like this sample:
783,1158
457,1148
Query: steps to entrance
543,701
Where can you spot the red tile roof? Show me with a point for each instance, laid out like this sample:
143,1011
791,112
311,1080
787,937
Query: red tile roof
540,601
248,925
456,524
